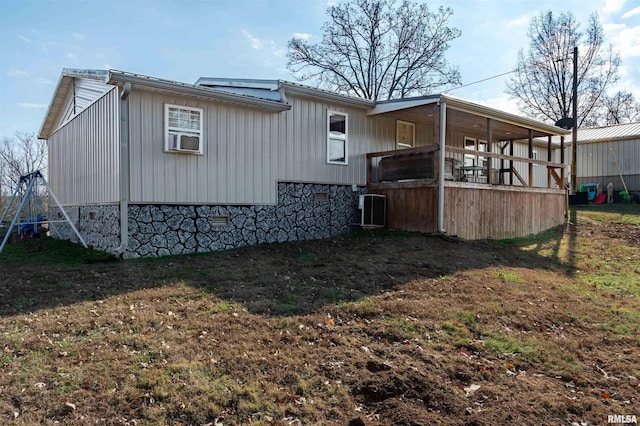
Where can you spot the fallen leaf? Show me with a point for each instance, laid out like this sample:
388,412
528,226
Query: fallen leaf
471,389
605,395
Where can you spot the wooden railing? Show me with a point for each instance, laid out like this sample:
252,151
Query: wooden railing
411,157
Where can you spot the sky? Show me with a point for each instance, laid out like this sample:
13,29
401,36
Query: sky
184,40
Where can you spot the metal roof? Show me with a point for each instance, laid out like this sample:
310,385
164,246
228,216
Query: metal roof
116,76
275,89
613,132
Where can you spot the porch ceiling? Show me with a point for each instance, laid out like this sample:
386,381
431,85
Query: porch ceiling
468,118
469,124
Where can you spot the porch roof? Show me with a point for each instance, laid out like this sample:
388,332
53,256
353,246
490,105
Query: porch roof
466,117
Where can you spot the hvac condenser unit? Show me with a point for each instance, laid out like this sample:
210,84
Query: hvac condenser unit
374,211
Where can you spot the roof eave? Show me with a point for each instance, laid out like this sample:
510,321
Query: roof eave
399,104
189,89
319,93
61,90
506,117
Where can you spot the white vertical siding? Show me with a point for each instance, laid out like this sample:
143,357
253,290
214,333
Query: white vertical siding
303,151
521,149
238,165
83,154
596,164
245,151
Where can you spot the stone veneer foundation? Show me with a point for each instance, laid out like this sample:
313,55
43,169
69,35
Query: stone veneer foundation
304,212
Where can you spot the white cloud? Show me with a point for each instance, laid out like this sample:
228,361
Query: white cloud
519,22
266,46
632,12
72,56
17,73
45,81
611,6
31,105
256,43
503,102
25,39
77,36
302,36
625,39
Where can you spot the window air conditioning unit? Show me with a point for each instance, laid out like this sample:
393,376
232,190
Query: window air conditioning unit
184,142
374,211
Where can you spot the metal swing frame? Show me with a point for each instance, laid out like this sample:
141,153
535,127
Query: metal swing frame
30,181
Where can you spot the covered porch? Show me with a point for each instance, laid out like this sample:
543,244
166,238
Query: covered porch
468,170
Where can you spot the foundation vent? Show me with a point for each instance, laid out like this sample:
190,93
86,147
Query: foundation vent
219,220
321,197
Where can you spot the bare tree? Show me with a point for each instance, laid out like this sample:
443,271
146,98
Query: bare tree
619,108
20,155
544,74
374,50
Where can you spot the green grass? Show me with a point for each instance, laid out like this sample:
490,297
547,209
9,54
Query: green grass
220,307
509,277
367,307
505,345
50,251
610,213
405,325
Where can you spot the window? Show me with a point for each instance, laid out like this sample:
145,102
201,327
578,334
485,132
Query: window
482,161
469,160
476,165
337,151
183,129
405,134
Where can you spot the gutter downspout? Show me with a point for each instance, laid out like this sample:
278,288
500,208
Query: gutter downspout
443,132
124,169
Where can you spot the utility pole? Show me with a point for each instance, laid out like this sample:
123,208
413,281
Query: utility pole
574,143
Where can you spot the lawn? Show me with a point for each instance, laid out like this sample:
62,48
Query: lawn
369,328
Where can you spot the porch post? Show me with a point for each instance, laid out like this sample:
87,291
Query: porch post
511,162
442,137
549,160
562,158
530,157
489,142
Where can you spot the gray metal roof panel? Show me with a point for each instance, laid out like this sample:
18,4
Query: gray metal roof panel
617,131
192,89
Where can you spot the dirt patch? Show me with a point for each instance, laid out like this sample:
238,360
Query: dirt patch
371,328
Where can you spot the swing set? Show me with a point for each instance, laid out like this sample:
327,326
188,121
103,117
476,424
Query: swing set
31,211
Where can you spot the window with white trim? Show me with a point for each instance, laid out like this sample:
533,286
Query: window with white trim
405,134
183,129
337,139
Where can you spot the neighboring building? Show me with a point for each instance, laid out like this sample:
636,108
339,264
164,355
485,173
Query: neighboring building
597,164
150,167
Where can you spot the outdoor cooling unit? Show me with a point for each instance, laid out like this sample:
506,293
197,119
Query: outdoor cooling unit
374,211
